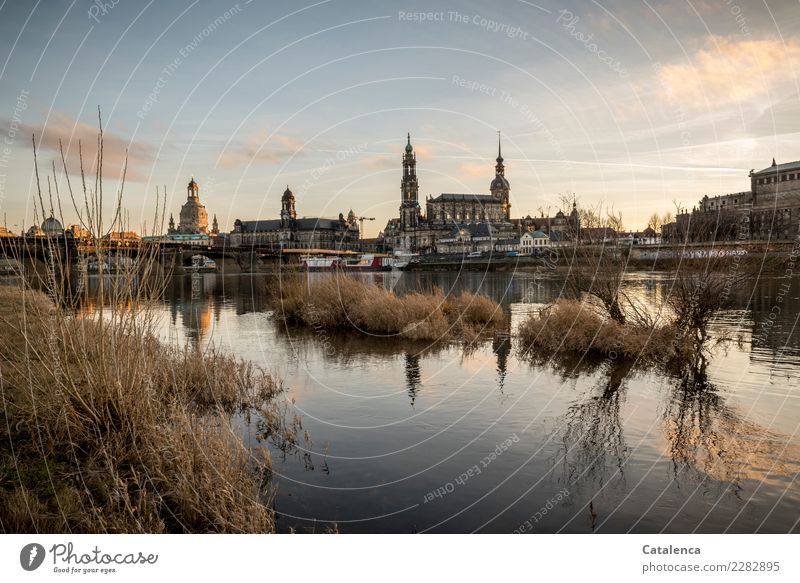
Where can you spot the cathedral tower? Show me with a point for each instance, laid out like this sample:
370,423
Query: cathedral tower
409,190
500,187
288,214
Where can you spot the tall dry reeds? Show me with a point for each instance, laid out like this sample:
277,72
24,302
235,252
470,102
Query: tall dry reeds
342,301
106,429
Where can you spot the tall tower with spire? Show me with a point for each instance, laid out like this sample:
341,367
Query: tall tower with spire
409,190
500,187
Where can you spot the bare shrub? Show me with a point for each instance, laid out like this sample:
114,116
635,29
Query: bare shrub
700,289
569,327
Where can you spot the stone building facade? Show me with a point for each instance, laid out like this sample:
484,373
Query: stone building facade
769,210
291,232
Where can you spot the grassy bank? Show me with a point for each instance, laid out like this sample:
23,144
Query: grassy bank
107,430
345,302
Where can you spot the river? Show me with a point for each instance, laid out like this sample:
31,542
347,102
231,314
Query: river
408,437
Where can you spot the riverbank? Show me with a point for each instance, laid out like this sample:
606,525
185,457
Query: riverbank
767,257
109,430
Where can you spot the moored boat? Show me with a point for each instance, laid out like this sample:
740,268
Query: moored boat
322,263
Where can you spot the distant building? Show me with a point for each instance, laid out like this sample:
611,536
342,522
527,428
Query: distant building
78,232
646,237
769,210
451,221
193,216
290,232
52,227
532,241
567,225
123,237
597,235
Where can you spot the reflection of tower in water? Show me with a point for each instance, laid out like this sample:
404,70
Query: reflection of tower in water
413,375
197,312
501,346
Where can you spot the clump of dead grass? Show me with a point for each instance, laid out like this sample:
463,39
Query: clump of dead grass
109,430
345,302
573,327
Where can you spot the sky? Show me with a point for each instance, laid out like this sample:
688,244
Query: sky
632,106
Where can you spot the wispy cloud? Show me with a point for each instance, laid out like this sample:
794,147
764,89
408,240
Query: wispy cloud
72,132
261,146
474,169
732,71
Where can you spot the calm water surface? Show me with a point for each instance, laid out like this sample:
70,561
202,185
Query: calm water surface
407,437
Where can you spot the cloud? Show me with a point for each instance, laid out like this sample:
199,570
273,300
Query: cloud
380,162
423,152
732,71
260,146
474,169
71,132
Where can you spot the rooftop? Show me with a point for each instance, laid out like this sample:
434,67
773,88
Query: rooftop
779,168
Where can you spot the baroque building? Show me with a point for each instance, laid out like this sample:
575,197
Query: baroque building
449,216
193,216
770,210
291,232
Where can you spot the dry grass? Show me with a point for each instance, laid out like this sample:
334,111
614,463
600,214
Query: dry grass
570,327
347,303
108,430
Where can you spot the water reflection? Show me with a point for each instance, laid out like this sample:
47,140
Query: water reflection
594,449
413,375
714,442
416,414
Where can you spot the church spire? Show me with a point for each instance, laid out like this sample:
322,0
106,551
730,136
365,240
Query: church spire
499,152
499,168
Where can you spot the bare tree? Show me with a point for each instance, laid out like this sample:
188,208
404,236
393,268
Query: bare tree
597,269
654,222
614,221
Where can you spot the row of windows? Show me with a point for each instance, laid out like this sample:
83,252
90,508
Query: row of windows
783,178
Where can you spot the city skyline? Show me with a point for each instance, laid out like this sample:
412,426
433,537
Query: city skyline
248,97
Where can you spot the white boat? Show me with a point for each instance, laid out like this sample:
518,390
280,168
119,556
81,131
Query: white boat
321,263
402,259
201,264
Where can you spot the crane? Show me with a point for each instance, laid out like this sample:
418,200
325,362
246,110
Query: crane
361,223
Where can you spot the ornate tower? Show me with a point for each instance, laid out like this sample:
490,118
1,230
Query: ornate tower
193,217
409,190
215,226
288,214
171,224
500,187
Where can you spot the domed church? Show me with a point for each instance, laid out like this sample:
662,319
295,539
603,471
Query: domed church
193,217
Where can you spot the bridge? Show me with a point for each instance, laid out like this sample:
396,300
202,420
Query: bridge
67,251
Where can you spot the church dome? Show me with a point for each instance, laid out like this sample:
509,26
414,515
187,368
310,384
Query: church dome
193,185
409,149
287,194
499,182
52,226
